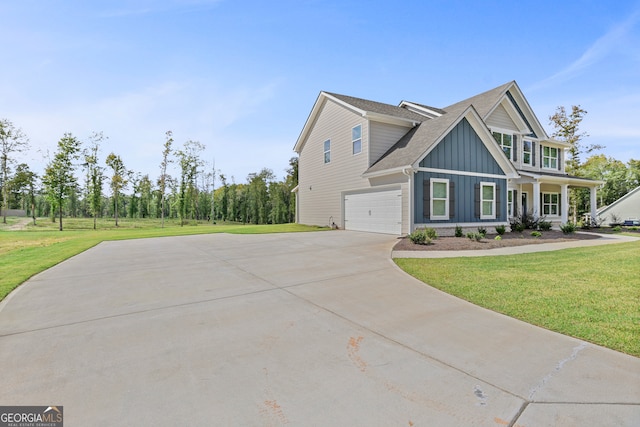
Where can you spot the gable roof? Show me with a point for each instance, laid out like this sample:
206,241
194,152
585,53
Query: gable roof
370,110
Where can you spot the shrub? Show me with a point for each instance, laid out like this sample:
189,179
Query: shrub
568,228
617,228
475,236
544,225
423,236
482,231
517,227
536,234
500,229
497,238
458,231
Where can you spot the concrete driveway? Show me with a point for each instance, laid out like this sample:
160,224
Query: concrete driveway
304,329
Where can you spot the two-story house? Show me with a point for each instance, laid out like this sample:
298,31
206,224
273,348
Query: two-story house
370,166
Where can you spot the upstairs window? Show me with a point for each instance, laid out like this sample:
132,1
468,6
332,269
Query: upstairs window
506,142
550,157
327,151
527,152
356,139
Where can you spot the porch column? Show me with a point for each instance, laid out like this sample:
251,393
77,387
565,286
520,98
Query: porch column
536,199
564,203
594,203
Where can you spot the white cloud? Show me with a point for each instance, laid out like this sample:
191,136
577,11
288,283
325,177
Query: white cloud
598,51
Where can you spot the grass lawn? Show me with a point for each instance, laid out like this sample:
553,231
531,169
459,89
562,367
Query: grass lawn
588,293
27,252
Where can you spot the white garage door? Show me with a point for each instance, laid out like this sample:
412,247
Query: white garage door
377,212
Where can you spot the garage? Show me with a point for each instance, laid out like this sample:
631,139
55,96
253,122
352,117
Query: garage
377,212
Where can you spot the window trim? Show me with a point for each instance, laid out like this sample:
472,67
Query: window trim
483,200
354,140
550,203
510,203
446,199
501,142
549,158
530,152
327,151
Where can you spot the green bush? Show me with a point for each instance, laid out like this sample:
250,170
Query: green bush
423,236
458,231
475,236
500,229
517,227
536,234
616,229
497,238
483,231
568,228
544,225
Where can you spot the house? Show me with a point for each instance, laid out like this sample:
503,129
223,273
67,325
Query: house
625,209
371,166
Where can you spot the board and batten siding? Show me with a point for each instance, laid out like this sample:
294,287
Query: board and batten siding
321,185
383,137
499,118
460,150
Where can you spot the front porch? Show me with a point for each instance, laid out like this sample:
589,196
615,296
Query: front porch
547,197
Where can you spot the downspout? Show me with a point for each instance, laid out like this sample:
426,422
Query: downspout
409,172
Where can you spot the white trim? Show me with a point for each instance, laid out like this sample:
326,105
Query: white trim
354,140
446,200
493,201
550,204
521,159
463,173
543,157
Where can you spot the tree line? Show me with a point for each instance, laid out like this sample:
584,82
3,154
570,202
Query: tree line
75,181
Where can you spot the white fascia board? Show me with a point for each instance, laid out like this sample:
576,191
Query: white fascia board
322,97
383,118
420,109
523,103
393,171
466,173
555,143
562,179
489,141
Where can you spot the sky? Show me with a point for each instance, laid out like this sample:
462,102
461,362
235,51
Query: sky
241,77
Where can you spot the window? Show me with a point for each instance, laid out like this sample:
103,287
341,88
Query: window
439,198
327,151
550,203
527,152
550,157
356,139
506,142
510,205
487,200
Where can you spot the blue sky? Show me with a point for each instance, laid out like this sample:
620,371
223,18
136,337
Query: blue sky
242,76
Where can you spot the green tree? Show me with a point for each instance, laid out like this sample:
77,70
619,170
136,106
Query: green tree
24,183
633,178
94,177
567,129
162,182
190,162
146,197
59,179
118,179
12,141
614,174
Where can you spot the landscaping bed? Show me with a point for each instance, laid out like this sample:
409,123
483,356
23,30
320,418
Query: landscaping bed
507,240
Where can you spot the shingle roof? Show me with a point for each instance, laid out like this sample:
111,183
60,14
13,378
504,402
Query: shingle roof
417,142
379,107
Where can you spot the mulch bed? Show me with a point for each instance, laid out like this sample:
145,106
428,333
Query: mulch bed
508,239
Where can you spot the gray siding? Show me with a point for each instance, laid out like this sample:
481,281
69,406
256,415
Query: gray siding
462,150
464,205
383,136
500,118
322,186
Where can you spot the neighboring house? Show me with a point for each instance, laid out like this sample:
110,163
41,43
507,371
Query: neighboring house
370,166
625,208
